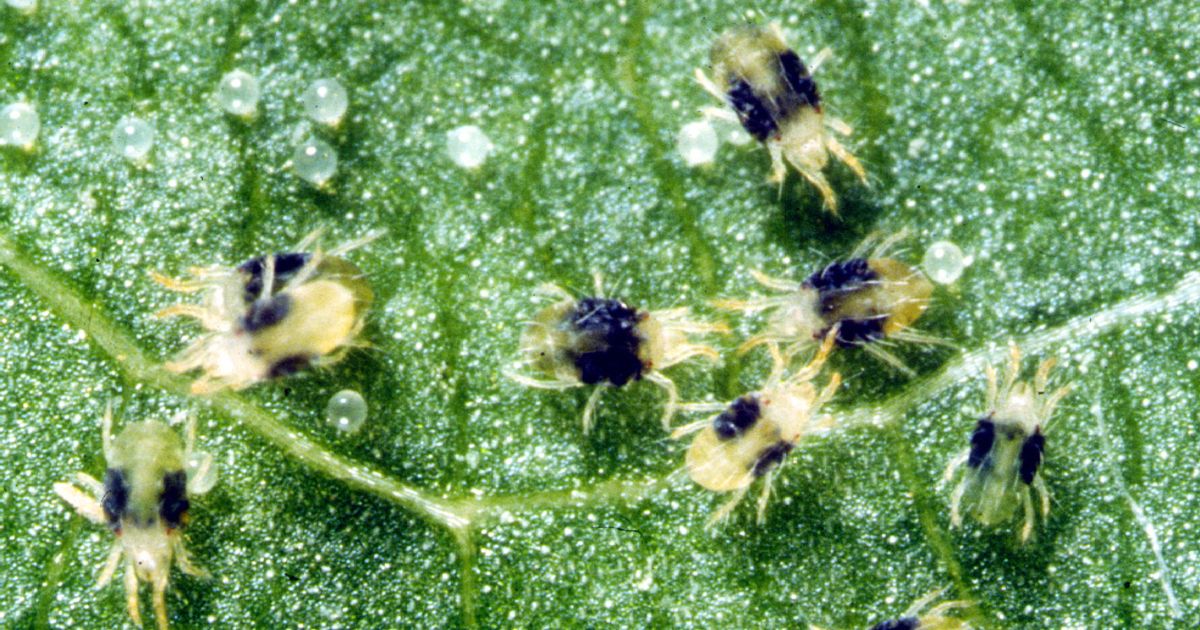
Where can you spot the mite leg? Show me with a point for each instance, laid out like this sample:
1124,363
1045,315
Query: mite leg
765,496
723,512
131,593
590,408
668,386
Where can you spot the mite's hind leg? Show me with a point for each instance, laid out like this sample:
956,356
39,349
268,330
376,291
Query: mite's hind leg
726,509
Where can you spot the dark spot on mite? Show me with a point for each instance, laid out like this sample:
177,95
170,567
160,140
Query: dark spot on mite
856,332
740,415
607,342
771,458
286,266
903,623
116,497
802,88
841,277
982,439
173,504
266,312
1031,456
289,365
835,283
757,119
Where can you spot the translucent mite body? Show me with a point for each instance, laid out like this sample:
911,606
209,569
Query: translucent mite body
604,342
144,501
870,300
773,95
1006,450
753,435
934,619
272,315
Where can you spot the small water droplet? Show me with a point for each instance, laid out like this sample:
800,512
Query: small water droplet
237,93
201,472
133,138
19,125
325,101
468,146
697,143
346,411
944,262
315,161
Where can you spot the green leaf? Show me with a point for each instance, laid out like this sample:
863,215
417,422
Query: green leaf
1055,144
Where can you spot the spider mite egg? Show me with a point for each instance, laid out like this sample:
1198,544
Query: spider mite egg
697,143
468,146
346,411
133,138
201,471
237,93
943,262
19,125
315,161
325,101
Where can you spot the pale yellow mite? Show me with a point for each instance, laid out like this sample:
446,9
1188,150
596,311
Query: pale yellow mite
272,315
144,501
1005,456
872,299
752,436
603,342
772,94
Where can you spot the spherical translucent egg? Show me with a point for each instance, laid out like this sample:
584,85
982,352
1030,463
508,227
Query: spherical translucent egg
315,161
325,101
237,93
346,411
944,262
697,143
133,138
19,125
201,472
24,6
468,146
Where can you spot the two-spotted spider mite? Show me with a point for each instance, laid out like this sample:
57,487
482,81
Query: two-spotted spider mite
871,299
933,619
1006,449
752,436
272,315
144,501
774,97
602,341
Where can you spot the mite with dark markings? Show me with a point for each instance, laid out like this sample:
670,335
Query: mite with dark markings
870,299
935,618
772,94
144,501
272,315
603,342
1006,450
751,437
